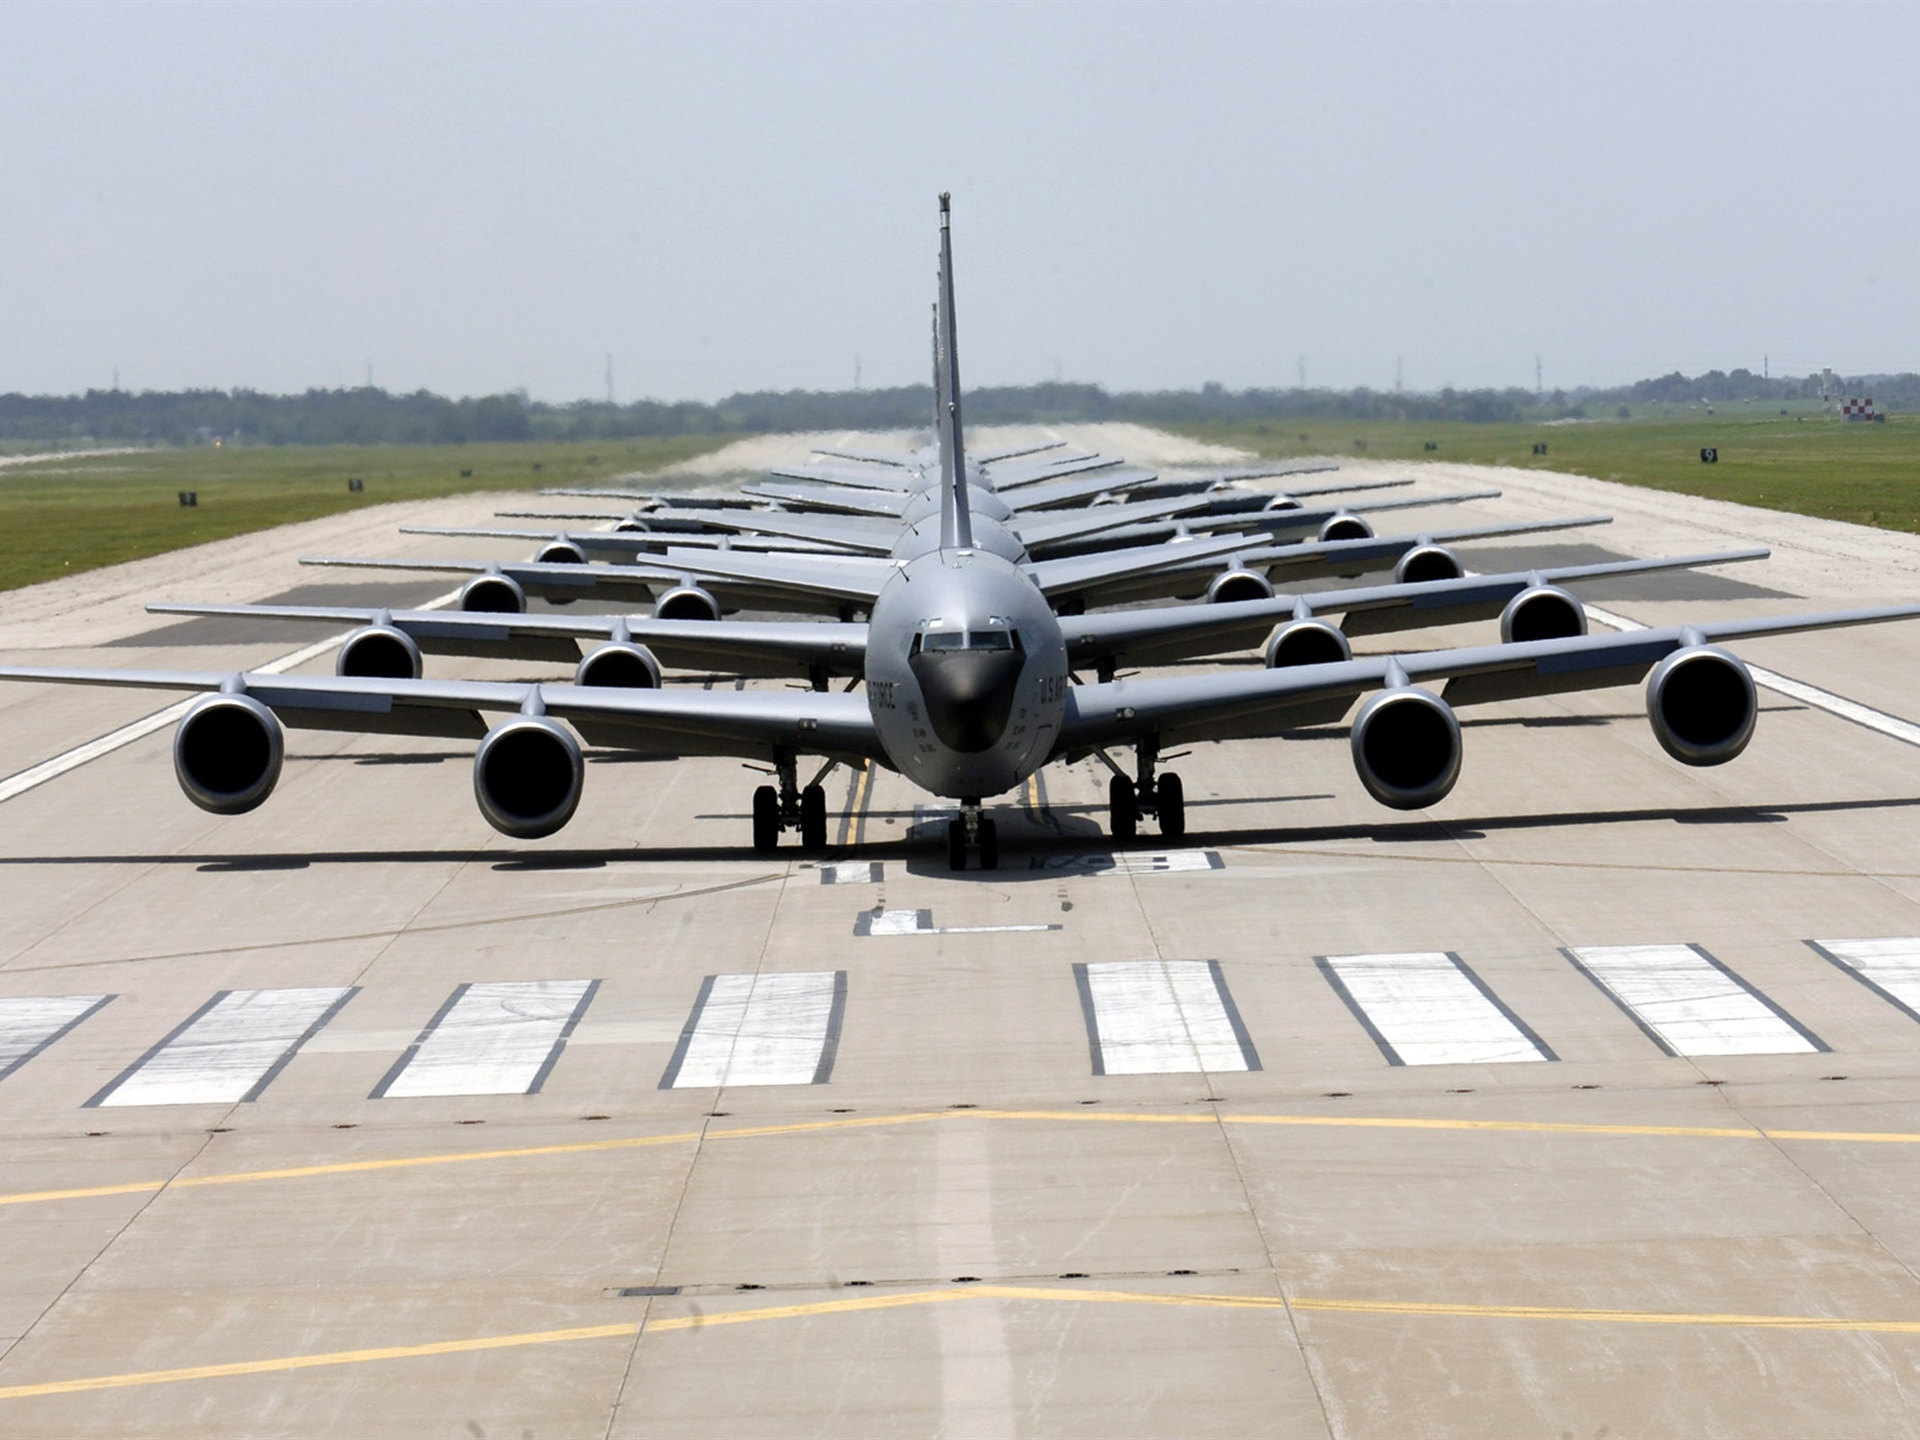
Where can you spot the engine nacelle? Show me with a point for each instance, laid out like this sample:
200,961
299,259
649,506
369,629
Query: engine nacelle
621,666
1308,641
227,753
1702,705
1345,527
380,652
1427,562
561,552
634,525
1237,584
687,602
1544,612
1281,502
1406,748
493,595
527,776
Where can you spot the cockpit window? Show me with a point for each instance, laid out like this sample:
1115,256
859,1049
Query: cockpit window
936,642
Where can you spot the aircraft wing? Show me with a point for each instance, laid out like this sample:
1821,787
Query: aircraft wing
751,724
744,647
1162,634
1190,709
841,499
1073,573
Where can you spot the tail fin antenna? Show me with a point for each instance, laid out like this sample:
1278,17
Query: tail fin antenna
956,521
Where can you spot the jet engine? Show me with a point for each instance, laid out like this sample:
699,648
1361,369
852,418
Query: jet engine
1702,704
227,753
687,602
1307,641
380,652
620,665
493,595
1543,612
634,525
1406,746
1346,527
1281,502
1238,584
561,551
1427,562
527,776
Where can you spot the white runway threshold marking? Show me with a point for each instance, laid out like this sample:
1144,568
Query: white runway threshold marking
1429,1008
760,1030
493,1039
1139,862
228,1050
29,1025
862,872
1890,968
1691,1004
920,922
1161,1017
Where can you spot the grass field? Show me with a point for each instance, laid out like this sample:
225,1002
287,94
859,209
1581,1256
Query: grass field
1811,465
60,516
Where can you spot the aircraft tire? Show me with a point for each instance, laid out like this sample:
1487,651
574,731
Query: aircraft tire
1170,796
766,820
956,845
989,845
813,818
1123,812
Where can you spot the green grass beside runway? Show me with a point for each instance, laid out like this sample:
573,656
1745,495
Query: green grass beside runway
63,516
1809,464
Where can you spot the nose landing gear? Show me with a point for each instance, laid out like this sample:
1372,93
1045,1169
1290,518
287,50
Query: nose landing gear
790,806
974,829
1161,796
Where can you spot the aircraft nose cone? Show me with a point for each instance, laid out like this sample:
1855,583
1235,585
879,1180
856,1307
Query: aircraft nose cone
968,694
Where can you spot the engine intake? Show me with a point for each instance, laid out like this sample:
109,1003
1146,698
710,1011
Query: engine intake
561,552
1307,642
227,753
1406,748
527,776
1427,562
380,652
1544,612
1702,705
620,666
493,595
1238,584
1346,527
687,602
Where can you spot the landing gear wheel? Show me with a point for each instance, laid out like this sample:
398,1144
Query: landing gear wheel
989,845
766,820
956,845
813,818
1122,811
1170,796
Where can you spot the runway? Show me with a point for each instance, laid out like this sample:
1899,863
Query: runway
1586,1103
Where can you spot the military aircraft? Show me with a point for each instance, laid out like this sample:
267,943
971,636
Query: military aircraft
968,692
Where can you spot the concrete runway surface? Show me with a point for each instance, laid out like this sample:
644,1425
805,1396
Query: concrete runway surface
1585,1104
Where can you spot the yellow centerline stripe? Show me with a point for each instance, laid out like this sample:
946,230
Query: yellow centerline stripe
916,1298
312,1362
862,794
750,1132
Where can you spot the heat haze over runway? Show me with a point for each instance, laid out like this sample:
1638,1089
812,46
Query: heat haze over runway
1588,1098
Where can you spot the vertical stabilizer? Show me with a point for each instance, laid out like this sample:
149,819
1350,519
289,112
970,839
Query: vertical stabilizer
956,522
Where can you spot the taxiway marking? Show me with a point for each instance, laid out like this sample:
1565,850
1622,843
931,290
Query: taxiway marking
767,1029
491,1039
1304,1304
228,1050
1889,968
920,922
1428,1008
1161,1017
1688,1003
756,1132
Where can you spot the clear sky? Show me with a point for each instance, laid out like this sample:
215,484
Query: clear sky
737,196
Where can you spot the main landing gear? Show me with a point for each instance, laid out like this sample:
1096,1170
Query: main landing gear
1162,797
972,829
790,806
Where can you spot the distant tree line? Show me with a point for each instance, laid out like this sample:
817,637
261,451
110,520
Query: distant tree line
369,416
